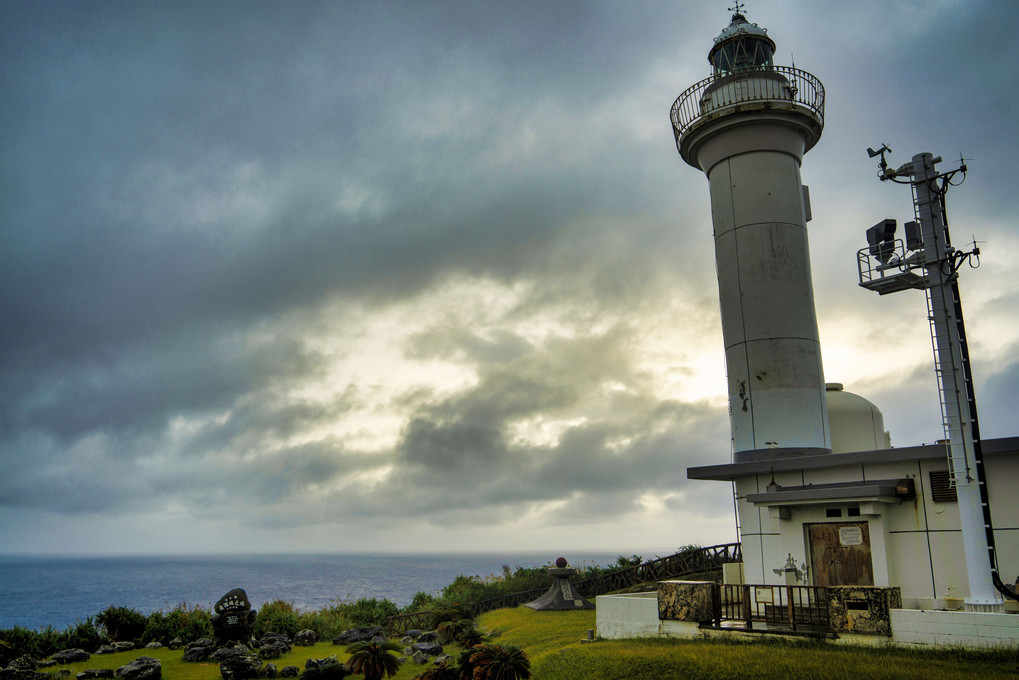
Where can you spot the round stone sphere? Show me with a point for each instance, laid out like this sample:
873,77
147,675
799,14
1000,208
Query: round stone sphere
561,562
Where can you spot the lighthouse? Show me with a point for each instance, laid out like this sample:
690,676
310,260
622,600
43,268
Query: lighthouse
747,127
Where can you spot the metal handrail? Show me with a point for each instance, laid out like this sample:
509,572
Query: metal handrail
803,90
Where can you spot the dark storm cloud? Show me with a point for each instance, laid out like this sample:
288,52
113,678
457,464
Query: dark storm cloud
188,192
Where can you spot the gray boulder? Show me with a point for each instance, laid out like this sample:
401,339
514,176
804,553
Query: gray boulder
241,668
94,673
154,645
269,670
305,638
290,672
24,663
413,633
226,653
420,658
106,649
175,643
430,636
359,634
429,648
142,668
71,656
318,663
19,674
124,646
199,650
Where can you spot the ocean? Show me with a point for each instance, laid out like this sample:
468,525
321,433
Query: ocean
59,591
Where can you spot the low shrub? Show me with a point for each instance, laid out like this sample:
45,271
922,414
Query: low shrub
366,611
277,616
122,623
188,624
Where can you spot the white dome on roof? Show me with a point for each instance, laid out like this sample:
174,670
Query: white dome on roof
855,423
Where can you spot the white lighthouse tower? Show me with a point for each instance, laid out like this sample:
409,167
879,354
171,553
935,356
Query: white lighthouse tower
747,127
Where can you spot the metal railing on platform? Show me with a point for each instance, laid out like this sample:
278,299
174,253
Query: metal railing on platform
784,86
778,607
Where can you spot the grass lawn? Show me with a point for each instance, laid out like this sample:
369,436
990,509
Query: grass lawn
552,641
175,669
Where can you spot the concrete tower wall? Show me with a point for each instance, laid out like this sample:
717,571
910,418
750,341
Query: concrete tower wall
773,356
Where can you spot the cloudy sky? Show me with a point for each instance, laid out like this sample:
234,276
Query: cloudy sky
404,276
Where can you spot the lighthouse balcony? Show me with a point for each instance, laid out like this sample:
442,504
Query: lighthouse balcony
749,89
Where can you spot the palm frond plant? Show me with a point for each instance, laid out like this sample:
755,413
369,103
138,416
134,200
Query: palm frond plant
373,659
500,662
440,672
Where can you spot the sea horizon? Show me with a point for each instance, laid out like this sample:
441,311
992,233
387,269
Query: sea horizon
61,590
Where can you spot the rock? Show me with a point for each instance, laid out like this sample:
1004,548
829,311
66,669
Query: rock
200,642
24,663
71,656
123,646
269,670
413,633
406,640
17,674
430,636
142,668
62,674
273,650
106,649
93,673
231,652
442,659
199,650
175,643
429,648
318,663
241,668
420,658
359,634
290,672
306,638
154,645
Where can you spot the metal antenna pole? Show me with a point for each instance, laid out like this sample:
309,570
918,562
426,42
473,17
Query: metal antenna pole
927,261
958,404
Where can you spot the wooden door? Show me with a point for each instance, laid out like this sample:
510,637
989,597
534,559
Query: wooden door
840,554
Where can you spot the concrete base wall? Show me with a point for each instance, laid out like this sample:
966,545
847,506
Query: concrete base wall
636,615
963,629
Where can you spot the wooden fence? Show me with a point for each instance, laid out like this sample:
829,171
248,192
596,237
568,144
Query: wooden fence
688,562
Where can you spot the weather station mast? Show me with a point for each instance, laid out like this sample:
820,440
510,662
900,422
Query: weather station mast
747,127
926,260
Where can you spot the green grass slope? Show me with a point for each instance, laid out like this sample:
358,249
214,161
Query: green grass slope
553,642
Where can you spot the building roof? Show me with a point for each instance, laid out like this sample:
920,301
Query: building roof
773,460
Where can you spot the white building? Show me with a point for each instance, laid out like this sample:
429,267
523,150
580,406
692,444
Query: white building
823,500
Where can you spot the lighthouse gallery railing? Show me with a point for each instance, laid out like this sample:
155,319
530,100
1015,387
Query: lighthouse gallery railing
749,88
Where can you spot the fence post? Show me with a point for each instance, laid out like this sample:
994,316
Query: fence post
747,613
792,615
